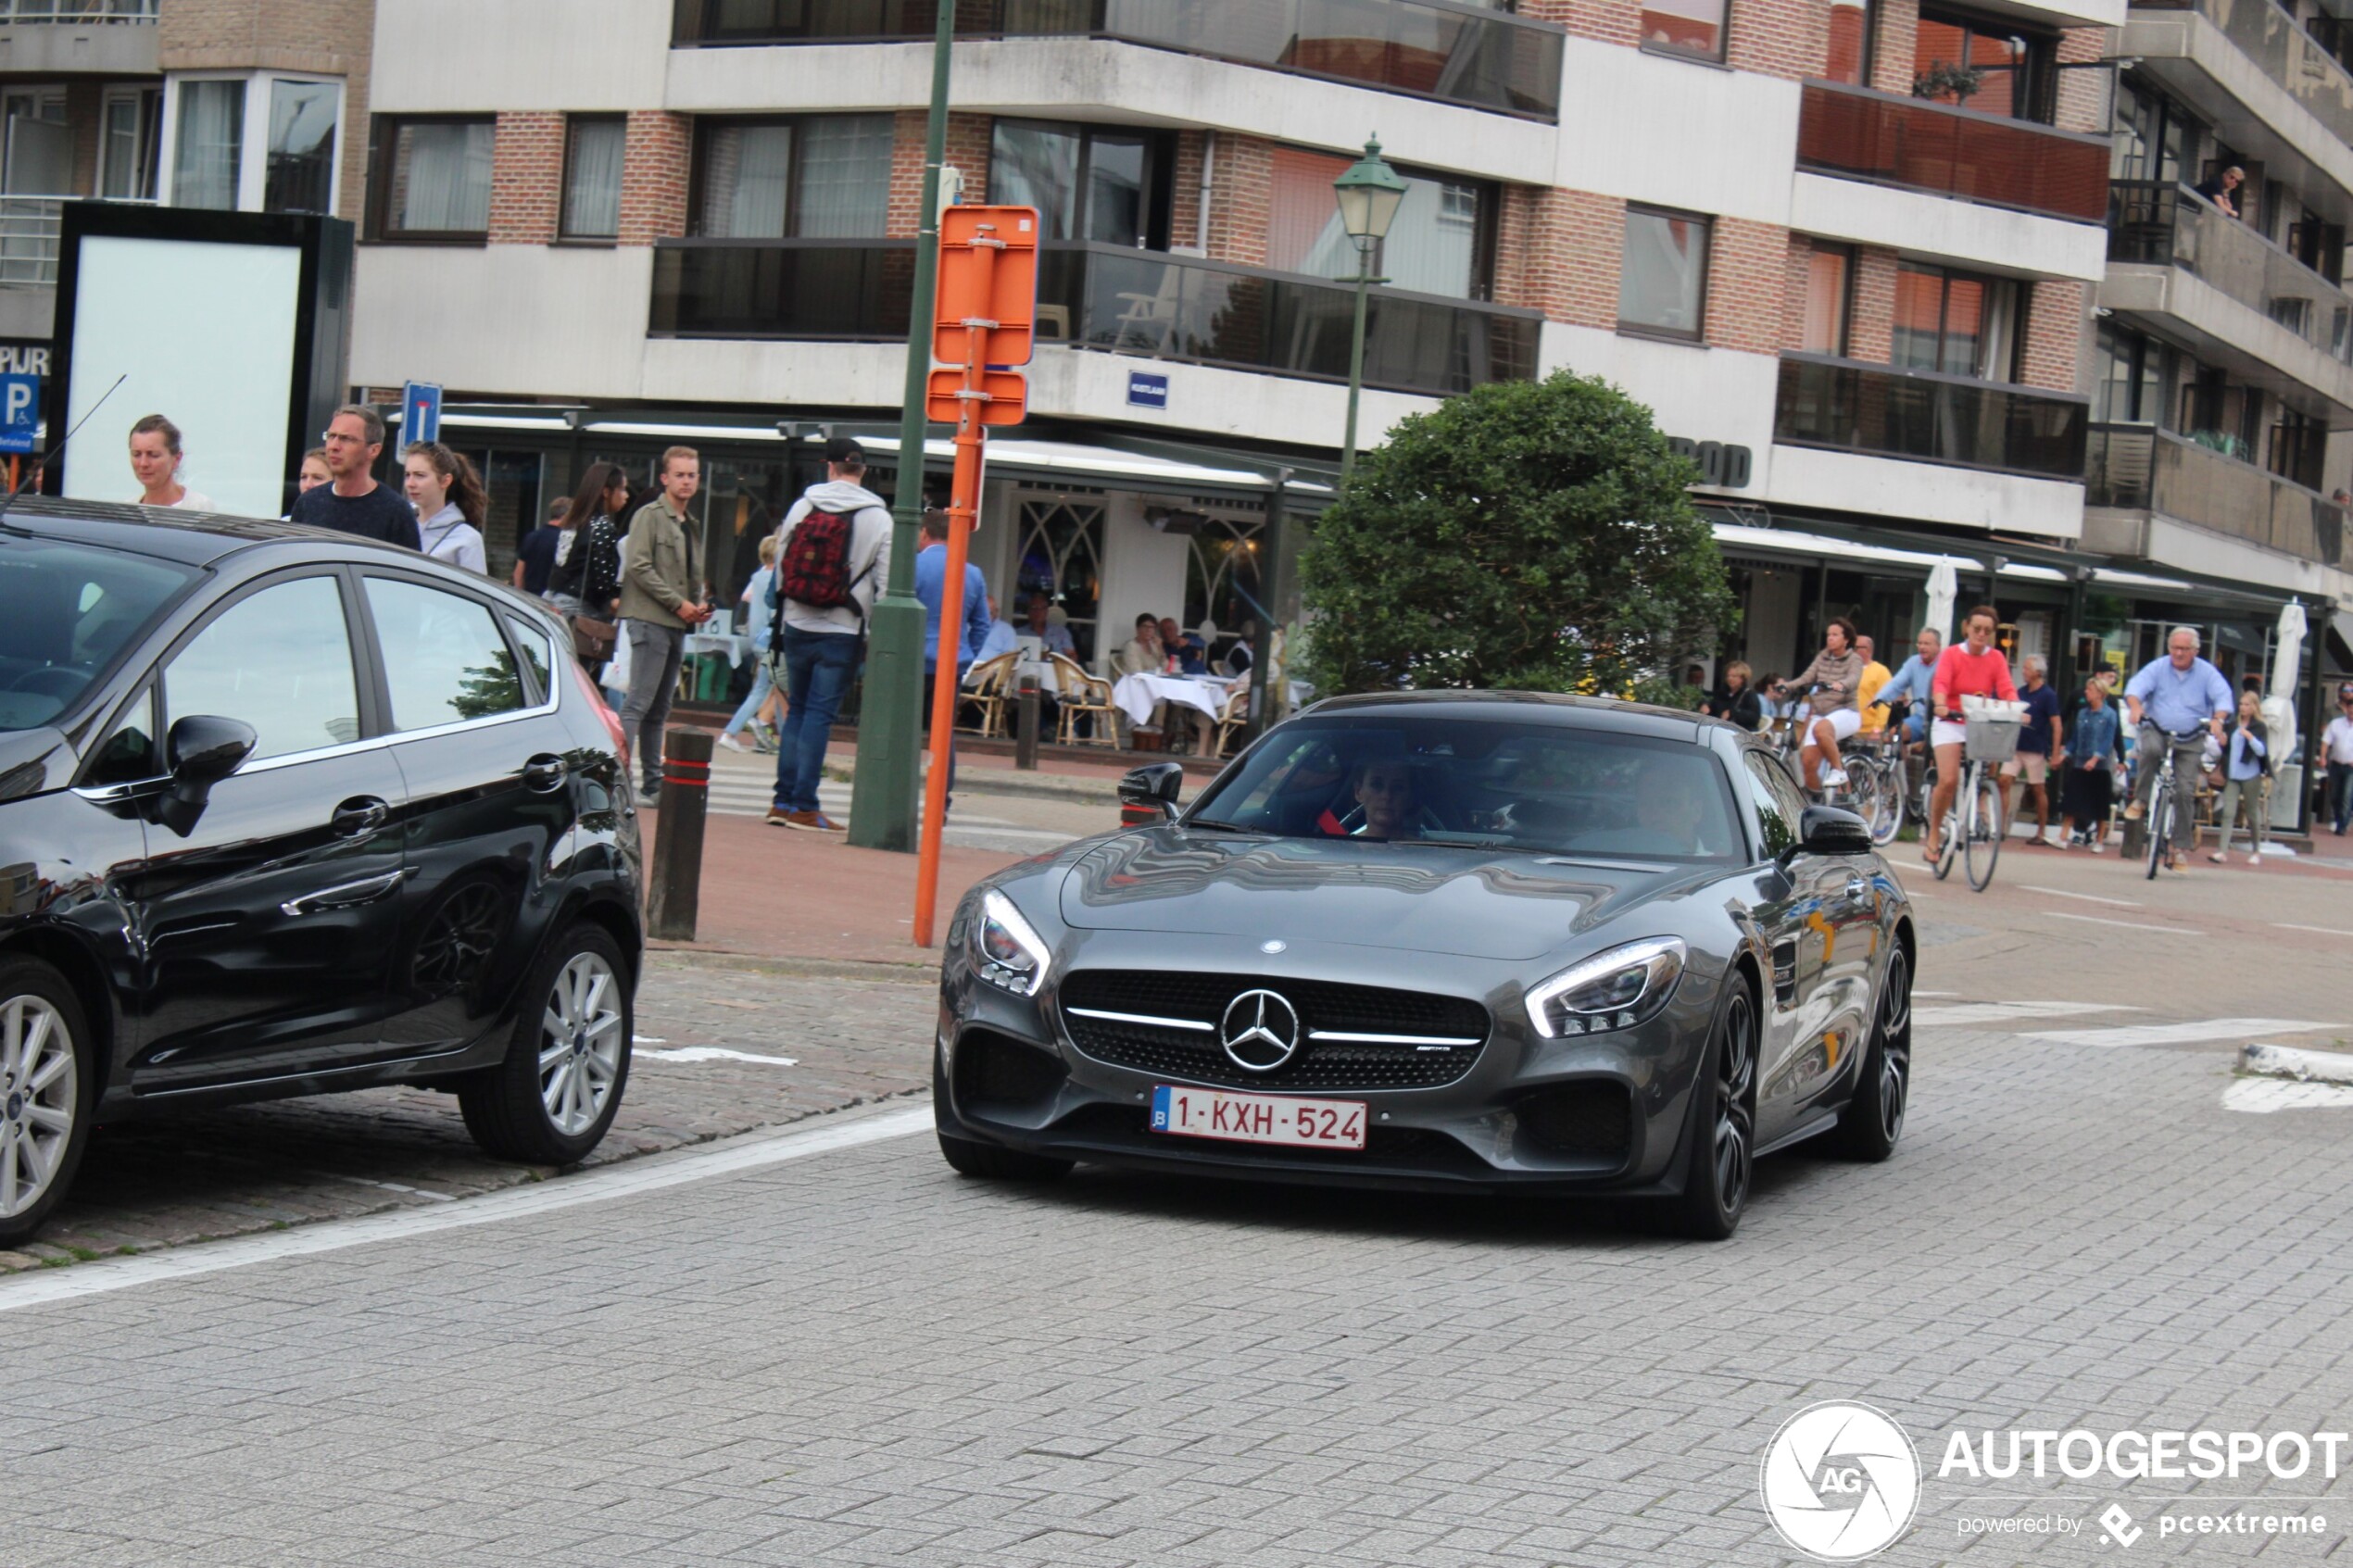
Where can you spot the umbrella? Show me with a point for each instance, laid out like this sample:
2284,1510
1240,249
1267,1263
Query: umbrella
1942,585
2287,664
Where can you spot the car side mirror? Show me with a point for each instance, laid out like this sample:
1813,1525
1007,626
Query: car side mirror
201,750
1152,789
1827,830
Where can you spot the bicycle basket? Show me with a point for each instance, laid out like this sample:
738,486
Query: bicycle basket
1993,740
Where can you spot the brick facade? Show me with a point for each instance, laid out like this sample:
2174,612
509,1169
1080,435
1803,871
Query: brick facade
1606,21
966,152
2053,336
312,37
655,168
2082,94
1241,199
1785,38
526,179
1871,322
1747,266
1569,264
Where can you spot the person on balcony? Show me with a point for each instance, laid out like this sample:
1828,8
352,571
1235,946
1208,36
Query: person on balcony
2221,189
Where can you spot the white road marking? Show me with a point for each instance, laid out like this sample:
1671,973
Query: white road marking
713,1053
2124,924
1965,1014
2322,930
2087,898
39,1287
2222,1031
2261,1096
1920,993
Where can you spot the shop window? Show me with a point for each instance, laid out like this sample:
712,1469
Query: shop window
1662,280
1984,64
1685,26
433,178
817,177
1440,242
1830,286
1955,322
594,145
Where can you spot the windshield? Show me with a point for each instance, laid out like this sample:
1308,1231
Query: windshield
66,611
1516,785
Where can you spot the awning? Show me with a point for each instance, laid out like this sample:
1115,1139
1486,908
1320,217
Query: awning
1823,546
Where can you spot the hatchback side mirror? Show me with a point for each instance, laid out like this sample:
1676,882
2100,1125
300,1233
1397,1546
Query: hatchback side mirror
1149,792
202,750
1827,830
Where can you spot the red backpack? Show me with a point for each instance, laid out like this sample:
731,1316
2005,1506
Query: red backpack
815,571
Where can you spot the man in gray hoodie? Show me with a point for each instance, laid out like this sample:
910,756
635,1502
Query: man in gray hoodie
822,643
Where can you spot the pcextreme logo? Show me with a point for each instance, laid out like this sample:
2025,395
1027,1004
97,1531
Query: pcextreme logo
1840,1481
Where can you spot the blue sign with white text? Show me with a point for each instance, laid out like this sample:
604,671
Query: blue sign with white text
19,413
419,412
1146,389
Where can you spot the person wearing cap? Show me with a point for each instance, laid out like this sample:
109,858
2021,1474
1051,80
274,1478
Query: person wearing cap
823,645
2336,751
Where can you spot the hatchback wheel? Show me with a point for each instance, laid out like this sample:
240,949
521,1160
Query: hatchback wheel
1873,1120
550,1100
44,1090
1719,1156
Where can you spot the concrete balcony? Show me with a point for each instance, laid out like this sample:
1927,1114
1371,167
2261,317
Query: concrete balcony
2151,496
78,38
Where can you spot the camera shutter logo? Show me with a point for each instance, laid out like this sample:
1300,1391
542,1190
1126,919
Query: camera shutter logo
1840,1481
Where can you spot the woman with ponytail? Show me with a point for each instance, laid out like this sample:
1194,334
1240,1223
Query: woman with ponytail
450,504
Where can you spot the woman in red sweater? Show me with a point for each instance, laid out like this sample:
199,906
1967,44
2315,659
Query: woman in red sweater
1971,668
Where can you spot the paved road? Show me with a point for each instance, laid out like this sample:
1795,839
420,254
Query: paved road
852,1356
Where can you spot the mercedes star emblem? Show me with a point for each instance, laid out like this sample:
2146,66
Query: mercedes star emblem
1273,945
1260,1030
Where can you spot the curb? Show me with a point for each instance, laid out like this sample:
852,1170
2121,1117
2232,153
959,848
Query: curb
999,780
916,973
2291,1061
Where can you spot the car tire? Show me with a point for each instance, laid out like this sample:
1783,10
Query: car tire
991,1163
1868,1129
552,1099
46,1076
1719,1152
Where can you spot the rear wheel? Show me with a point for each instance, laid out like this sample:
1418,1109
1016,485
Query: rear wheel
1982,842
1887,818
1873,1120
551,1100
45,1095
1719,1156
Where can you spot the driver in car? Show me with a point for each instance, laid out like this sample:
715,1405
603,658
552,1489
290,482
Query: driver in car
1388,793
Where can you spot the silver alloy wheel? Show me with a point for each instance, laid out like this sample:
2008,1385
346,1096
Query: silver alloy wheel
38,1089
580,1044
1895,1044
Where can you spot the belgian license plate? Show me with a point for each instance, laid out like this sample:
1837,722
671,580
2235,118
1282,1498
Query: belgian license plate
1305,1123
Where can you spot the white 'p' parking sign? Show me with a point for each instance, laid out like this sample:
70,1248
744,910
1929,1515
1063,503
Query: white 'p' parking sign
19,413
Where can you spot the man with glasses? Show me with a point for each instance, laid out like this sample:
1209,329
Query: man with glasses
2336,750
352,502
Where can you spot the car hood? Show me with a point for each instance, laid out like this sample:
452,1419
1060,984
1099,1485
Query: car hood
1471,901
34,761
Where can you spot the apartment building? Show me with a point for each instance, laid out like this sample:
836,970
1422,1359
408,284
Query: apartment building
238,105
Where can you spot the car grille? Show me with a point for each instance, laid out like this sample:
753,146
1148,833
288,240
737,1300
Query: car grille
1197,1056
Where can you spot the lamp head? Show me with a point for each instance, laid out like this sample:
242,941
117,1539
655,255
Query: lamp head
1370,193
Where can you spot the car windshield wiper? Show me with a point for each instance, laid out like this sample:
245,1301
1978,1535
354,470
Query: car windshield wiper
1208,826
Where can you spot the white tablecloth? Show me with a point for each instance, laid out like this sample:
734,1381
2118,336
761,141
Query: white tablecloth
1139,695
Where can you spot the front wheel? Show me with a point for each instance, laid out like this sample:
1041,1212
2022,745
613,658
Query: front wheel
1982,842
1719,1159
1873,1120
45,1095
1887,815
2160,832
551,1100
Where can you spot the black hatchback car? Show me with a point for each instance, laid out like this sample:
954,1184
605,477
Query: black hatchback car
284,812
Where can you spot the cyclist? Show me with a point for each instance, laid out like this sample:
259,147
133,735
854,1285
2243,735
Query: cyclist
2178,701
1914,684
1972,668
1830,713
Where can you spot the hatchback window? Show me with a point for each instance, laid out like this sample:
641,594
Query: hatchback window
66,611
538,651
279,660
444,657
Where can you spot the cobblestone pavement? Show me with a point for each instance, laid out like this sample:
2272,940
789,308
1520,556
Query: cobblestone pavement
199,1174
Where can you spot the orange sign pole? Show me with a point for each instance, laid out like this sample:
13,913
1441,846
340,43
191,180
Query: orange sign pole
964,510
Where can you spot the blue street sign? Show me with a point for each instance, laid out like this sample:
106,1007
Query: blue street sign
419,412
19,413
1147,390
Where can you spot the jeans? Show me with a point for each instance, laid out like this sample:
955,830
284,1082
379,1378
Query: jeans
2252,798
2340,795
2187,756
654,652
931,681
819,667
762,682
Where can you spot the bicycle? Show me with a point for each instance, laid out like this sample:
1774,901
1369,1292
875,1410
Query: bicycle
2161,813
1974,826
1875,777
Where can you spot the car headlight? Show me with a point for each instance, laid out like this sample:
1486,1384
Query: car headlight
1006,951
1613,990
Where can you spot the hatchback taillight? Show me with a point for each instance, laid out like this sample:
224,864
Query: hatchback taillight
596,704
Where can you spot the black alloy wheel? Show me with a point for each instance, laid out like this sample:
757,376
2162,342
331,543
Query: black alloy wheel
1873,1121
1719,1157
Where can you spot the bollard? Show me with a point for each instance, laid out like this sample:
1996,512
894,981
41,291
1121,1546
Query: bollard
1026,727
675,881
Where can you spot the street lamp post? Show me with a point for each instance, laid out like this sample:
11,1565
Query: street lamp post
1370,192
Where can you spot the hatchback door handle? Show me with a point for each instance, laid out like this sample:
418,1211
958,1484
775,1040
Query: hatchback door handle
348,895
546,774
362,813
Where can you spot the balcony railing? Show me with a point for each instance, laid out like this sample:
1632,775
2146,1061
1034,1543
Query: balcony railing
2145,469
2295,61
2154,223
79,12
1859,135
1457,53
1879,411
1104,297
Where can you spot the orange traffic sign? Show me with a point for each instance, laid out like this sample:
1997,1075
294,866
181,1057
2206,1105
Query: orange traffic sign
1008,395
987,273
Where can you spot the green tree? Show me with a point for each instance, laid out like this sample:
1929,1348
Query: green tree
1526,535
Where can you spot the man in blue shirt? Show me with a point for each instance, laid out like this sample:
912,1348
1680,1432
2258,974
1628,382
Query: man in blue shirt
1915,681
999,640
1192,659
2176,701
931,585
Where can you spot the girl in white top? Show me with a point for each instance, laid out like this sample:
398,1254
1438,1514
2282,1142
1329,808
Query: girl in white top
449,500
154,460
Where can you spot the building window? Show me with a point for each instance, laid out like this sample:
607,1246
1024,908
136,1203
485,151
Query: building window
1441,241
208,144
822,176
1662,278
1087,183
435,180
129,121
1830,290
1853,31
302,145
1685,26
1956,323
1986,65
2154,138
593,150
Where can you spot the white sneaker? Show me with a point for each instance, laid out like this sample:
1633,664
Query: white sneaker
2055,840
732,744
1834,778
2096,846
2254,860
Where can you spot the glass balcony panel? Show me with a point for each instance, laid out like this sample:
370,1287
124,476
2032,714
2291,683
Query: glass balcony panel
1859,135
2141,467
2154,223
2295,61
1878,410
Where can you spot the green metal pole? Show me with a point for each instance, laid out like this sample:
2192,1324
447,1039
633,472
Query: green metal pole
882,798
1356,358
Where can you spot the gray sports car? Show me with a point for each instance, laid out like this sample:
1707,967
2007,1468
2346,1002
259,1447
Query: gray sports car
1443,940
